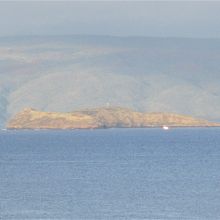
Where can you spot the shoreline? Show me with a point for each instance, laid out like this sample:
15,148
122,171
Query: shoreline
108,128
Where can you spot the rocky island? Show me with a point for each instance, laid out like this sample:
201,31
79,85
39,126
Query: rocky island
106,117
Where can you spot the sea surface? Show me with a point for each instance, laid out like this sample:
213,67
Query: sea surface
110,174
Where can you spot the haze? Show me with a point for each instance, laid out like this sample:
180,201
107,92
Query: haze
147,56
162,19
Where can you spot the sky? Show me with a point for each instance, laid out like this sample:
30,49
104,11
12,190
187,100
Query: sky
126,18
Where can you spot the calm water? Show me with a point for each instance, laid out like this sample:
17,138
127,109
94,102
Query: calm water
110,174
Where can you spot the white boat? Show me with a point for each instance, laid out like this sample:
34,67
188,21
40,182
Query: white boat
165,127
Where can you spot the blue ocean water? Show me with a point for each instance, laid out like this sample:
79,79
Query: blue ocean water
110,174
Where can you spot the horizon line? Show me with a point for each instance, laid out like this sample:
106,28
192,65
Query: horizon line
108,36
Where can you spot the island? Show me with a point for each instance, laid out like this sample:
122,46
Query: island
105,117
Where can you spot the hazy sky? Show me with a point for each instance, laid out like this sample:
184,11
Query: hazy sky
174,18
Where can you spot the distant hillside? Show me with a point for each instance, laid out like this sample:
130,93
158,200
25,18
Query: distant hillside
100,118
67,73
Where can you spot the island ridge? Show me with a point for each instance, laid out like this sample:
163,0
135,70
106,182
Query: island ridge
106,117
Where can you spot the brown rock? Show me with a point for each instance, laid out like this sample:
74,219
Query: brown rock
101,118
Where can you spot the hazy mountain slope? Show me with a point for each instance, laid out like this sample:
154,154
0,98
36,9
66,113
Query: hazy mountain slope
146,74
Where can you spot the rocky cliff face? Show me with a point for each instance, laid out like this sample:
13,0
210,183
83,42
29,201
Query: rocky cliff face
100,118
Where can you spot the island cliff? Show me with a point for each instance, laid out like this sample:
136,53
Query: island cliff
107,117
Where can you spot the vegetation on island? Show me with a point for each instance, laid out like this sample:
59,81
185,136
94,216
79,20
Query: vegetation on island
106,117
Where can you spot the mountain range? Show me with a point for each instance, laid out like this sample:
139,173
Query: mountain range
147,74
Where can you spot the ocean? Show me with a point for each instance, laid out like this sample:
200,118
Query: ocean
110,174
